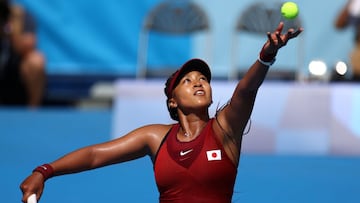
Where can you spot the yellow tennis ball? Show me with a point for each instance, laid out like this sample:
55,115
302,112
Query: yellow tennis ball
289,10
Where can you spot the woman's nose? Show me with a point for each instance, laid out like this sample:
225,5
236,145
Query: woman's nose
197,84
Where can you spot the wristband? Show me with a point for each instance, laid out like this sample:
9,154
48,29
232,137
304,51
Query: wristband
265,58
267,63
46,170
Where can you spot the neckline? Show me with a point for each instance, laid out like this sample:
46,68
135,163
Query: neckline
178,127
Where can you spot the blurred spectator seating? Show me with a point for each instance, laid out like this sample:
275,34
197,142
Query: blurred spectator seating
175,19
256,20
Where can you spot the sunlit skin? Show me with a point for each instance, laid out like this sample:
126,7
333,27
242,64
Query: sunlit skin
193,92
192,97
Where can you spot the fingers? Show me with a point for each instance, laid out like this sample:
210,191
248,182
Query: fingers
25,197
279,39
28,194
27,191
297,32
280,27
291,32
270,38
276,40
32,185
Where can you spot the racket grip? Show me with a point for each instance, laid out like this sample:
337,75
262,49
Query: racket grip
32,199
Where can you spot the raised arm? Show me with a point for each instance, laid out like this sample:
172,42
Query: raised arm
138,143
342,19
234,117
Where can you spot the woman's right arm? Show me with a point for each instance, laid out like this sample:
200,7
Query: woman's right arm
138,143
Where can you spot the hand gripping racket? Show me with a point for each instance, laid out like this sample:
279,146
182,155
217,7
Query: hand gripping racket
32,199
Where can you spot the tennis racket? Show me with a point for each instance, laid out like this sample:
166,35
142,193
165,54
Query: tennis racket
32,199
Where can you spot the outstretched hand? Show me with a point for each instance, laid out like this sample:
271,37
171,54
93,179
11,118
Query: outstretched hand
276,40
34,184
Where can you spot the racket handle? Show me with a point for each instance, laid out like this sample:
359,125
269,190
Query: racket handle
32,199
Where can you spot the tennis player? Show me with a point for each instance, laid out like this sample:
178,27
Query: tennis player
196,158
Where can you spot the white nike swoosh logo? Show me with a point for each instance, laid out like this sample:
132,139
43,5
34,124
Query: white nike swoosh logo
183,153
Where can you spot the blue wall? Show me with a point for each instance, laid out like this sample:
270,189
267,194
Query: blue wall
29,138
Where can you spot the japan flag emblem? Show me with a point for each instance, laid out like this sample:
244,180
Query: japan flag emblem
213,155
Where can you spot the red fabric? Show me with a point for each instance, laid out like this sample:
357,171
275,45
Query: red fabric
46,170
202,177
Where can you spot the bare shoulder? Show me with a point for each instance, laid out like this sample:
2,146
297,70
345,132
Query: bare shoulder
148,132
157,130
141,141
154,133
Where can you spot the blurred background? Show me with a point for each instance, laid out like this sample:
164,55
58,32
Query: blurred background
106,63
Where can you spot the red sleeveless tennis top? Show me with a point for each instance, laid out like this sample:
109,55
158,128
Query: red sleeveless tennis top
195,171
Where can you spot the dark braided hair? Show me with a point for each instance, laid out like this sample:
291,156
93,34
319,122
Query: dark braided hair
173,111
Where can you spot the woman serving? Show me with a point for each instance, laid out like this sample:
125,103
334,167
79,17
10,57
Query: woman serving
196,158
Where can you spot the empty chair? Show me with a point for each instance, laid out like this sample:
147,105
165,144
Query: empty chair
256,20
173,19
